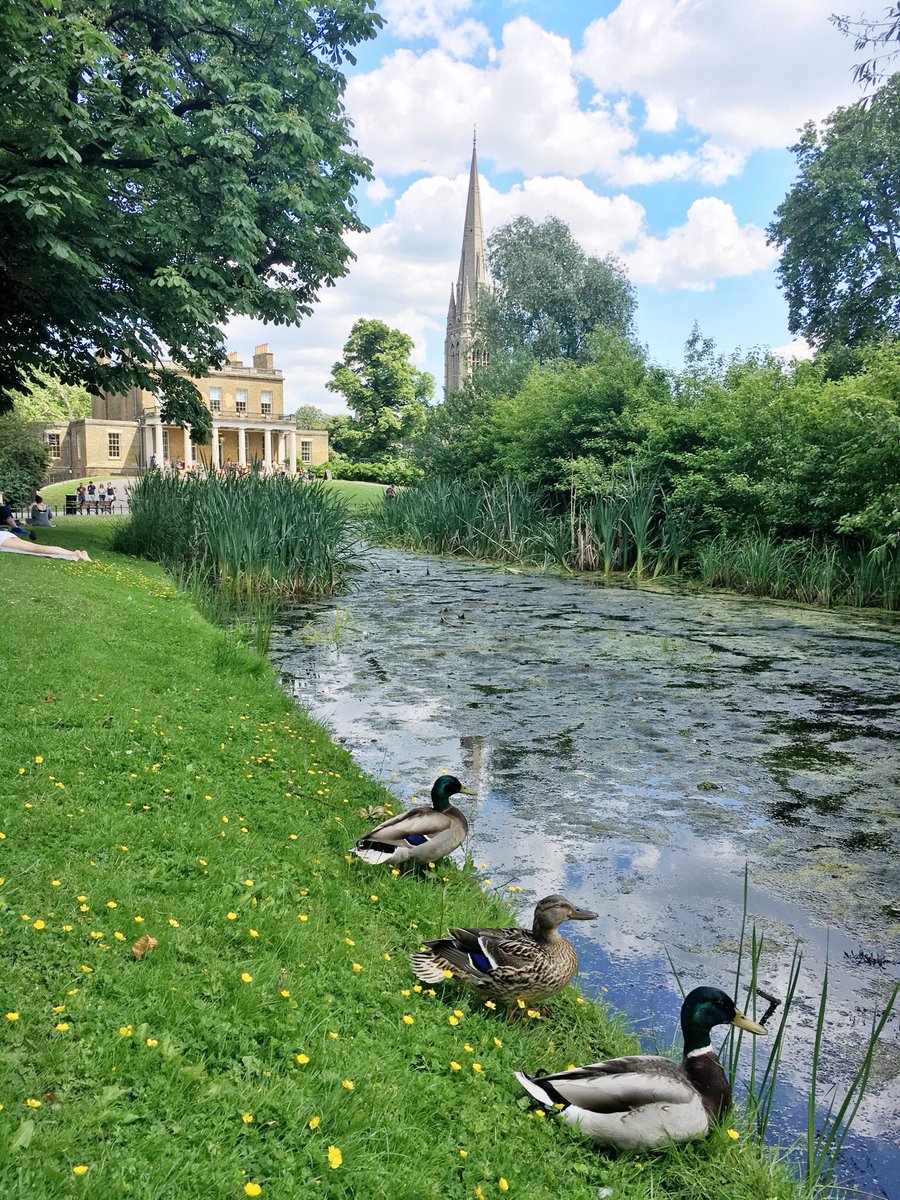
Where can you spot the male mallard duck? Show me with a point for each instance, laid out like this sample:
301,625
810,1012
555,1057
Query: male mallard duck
643,1101
420,834
508,965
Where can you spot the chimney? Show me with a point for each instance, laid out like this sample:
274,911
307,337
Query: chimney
262,359
233,360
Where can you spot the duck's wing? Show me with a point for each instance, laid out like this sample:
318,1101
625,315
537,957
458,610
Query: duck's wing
469,954
618,1085
414,827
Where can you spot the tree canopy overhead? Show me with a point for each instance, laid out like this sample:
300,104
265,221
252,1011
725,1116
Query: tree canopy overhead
839,226
548,294
164,166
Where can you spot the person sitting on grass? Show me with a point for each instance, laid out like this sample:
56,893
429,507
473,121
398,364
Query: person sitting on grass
8,521
11,544
40,513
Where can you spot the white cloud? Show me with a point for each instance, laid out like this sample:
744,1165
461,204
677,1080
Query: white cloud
746,74
799,350
378,191
523,126
710,245
438,20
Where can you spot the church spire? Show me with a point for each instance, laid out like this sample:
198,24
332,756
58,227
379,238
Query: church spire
472,270
472,276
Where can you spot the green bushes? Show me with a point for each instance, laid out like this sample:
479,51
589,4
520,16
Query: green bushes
246,536
391,470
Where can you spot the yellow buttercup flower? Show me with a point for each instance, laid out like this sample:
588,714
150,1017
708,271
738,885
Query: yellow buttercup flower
80,1170
454,1066
315,1122
733,1134
502,1184
302,1059
152,1043
348,1084
408,1020
232,916
246,977
247,1118
335,1158
62,1027
12,1016
252,1189
39,925
32,1103
125,1031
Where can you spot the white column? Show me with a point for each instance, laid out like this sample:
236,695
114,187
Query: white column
214,448
188,457
267,452
242,446
292,451
148,444
158,443
279,448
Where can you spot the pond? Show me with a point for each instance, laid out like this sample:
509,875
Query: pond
633,749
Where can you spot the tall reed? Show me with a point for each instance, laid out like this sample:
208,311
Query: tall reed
243,535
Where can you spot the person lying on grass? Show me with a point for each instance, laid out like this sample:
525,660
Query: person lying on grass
16,545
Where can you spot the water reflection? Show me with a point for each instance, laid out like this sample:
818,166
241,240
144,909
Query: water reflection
634,750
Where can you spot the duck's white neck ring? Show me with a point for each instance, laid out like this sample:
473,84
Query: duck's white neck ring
698,1052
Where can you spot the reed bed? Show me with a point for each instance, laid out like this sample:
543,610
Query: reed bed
635,530
245,536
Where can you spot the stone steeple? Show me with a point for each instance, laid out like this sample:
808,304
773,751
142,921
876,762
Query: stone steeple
458,348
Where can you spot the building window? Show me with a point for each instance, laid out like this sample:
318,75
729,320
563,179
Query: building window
215,399
115,445
53,444
265,403
306,452
240,399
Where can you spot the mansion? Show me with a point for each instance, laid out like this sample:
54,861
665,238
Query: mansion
125,434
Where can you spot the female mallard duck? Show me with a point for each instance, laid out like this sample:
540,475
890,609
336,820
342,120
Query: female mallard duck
508,965
643,1101
421,834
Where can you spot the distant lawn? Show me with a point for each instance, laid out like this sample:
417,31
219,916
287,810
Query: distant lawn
357,495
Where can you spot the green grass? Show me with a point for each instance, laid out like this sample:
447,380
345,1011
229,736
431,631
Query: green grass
155,770
357,495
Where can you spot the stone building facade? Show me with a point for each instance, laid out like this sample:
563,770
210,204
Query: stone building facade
459,350
125,433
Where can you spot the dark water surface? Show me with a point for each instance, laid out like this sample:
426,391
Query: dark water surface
633,749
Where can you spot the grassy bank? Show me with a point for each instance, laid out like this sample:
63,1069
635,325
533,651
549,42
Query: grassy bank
157,781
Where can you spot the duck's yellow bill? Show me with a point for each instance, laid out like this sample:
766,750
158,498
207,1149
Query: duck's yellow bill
743,1022
467,792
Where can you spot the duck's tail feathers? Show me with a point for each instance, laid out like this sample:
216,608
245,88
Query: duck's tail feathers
540,1090
425,968
375,853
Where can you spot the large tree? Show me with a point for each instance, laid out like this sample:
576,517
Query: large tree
385,393
839,226
163,166
549,295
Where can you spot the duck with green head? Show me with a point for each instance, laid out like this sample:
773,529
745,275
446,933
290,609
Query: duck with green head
421,834
508,965
646,1102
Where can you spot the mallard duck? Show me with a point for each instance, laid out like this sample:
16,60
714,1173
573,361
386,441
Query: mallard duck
421,834
643,1101
508,965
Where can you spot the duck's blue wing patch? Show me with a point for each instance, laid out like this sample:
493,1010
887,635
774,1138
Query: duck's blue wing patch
480,962
416,839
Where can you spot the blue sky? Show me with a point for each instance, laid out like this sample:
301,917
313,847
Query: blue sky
658,129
